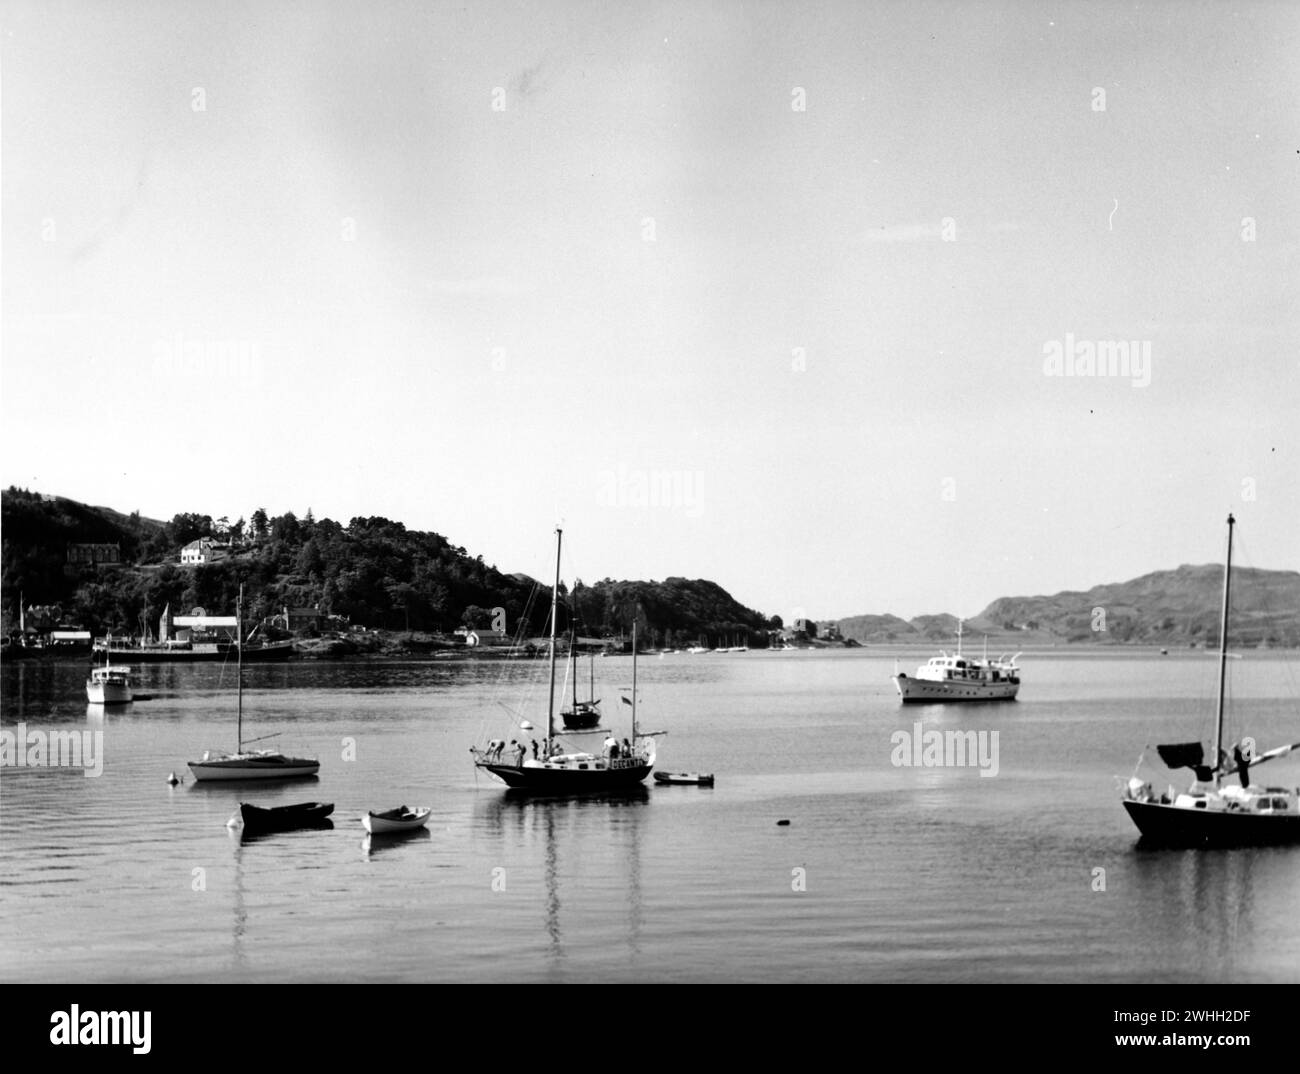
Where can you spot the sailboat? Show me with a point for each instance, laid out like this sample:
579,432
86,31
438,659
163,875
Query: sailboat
563,770
583,715
248,764
1213,812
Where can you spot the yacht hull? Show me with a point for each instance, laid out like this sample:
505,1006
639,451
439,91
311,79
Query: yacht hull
1169,825
285,768
919,691
581,719
567,779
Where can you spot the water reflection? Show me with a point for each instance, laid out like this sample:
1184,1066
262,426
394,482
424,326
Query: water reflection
567,824
552,874
373,845
1200,903
243,785
240,909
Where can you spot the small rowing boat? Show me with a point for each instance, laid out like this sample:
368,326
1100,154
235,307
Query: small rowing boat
400,819
698,779
284,818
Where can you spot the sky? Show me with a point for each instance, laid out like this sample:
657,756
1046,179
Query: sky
783,295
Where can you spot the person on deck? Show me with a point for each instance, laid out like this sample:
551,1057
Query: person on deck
1242,759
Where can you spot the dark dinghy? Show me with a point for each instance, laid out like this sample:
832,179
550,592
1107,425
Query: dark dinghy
285,818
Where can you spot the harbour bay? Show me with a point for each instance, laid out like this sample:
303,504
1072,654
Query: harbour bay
885,872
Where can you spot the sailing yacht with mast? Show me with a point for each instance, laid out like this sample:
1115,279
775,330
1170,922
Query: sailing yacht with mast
583,715
248,764
1212,812
562,770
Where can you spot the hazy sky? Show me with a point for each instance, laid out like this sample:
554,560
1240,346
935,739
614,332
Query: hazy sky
767,293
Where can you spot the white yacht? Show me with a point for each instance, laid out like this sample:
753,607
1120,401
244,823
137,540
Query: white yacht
954,677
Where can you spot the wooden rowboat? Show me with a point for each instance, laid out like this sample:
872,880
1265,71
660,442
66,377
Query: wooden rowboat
699,779
284,818
400,819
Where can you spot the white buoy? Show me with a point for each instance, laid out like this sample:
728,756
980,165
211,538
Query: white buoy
172,780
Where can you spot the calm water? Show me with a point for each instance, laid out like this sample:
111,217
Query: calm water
910,874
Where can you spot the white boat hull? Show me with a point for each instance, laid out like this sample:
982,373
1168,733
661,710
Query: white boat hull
108,693
232,768
377,825
916,691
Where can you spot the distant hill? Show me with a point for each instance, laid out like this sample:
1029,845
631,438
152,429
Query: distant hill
1167,608
1179,607
877,628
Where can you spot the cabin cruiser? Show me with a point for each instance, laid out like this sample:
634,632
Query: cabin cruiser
954,677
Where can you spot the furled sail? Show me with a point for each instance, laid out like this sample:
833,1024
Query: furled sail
1182,754
1187,755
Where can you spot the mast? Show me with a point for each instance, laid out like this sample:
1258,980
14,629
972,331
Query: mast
959,623
555,593
634,683
573,660
239,662
1223,654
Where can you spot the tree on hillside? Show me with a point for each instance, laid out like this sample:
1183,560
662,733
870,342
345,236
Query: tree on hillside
184,528
285,528
259,522
309,562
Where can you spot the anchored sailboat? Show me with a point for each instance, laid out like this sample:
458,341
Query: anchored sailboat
563,770
248,764
1211,812
582,715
